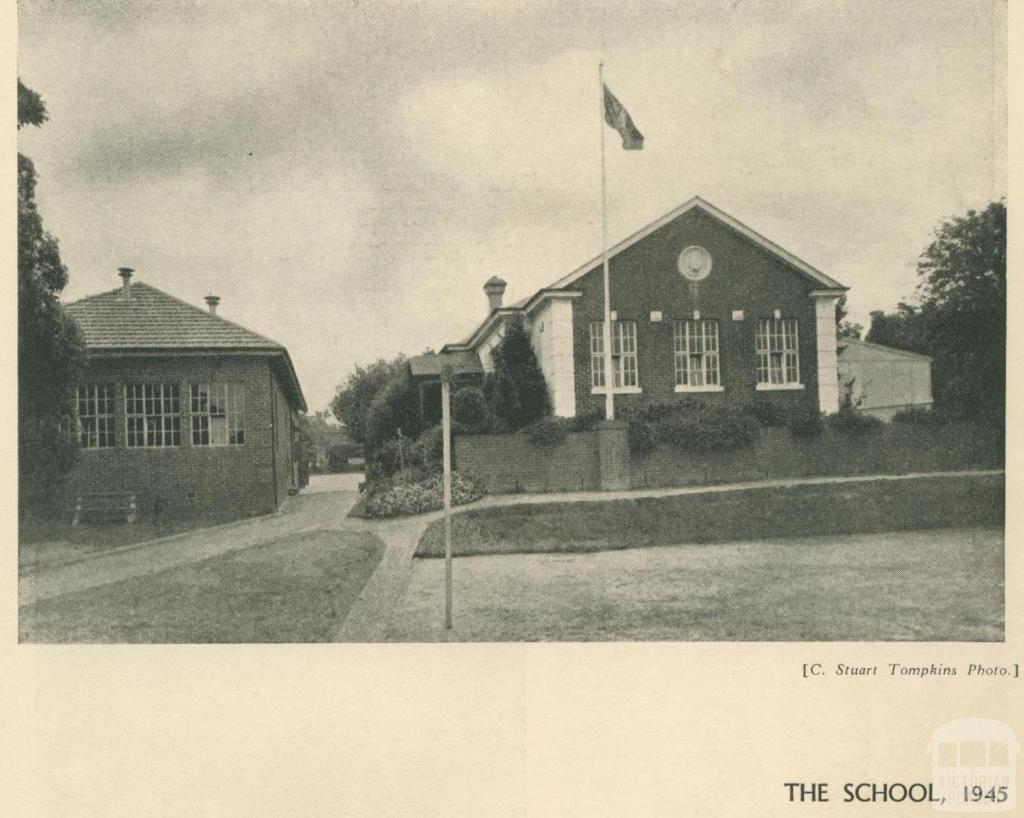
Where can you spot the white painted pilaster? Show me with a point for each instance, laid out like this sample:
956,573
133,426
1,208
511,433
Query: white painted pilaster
828,364
562,380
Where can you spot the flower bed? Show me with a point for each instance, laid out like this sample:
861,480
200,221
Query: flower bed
417,498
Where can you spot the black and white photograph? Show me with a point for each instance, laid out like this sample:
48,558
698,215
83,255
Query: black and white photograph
397,322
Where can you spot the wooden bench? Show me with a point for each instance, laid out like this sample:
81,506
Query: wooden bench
110,505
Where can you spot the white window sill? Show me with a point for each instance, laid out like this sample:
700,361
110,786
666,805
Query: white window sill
776,387
711,388
618,390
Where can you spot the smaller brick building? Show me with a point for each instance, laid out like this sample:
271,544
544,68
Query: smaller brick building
703,308
183,409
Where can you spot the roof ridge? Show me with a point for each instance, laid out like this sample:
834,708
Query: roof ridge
205,313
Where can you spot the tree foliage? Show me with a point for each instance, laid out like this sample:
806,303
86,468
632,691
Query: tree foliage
49,345
961,319
520,393
351,402
31,110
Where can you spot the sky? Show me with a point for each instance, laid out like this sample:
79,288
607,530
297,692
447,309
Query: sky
345,176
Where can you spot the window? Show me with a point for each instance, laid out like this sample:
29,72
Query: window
696,349
778,355
95,410
624,363
218,411
153,415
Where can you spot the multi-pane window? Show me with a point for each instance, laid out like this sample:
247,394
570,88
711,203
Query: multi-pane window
624,362
696,353
778,355
218,414
153,415
95,411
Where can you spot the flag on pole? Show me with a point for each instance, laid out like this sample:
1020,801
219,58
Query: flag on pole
618,117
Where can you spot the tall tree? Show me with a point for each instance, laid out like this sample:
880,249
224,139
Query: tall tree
963,304
351,403
961,319
49,345
520,393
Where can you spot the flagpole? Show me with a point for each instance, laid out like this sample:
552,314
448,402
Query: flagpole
609,401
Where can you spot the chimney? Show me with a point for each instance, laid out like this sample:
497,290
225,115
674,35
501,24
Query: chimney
212,301
126,277
495,290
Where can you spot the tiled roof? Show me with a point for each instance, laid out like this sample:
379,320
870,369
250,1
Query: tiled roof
152,319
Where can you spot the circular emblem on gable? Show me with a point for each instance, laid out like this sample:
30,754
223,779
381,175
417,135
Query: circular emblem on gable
694,263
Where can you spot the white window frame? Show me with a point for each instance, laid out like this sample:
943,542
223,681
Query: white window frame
217,413
778,354
158,424
95,419
697,356
625,361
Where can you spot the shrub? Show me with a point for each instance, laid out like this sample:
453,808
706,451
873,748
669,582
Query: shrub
426,495
548,431
470,412
394,407
766,412
921,417
804,420
390,457
707,429
586,422
427,451
520,393
643,436
853,423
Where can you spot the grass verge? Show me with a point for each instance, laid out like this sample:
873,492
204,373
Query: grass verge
831,509
42,540
297,589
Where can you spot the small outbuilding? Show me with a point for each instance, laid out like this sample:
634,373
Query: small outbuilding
180,410
882,381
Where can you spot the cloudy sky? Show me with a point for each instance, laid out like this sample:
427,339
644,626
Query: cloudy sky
347,175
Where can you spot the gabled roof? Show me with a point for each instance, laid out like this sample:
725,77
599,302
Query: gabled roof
698,203
881,351
148,320
563,285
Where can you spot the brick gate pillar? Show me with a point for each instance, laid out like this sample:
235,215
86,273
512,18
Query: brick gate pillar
613,454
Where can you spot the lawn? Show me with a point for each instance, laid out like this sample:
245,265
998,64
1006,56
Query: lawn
297,589
938,585
44,540
832,509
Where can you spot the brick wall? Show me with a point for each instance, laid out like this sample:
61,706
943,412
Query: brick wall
508,464
193,478
644,278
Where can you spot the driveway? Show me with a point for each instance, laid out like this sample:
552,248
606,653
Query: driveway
935,585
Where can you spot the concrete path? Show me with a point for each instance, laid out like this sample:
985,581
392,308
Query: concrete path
784,482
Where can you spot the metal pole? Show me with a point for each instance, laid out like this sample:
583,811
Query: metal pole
446,430
609,400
